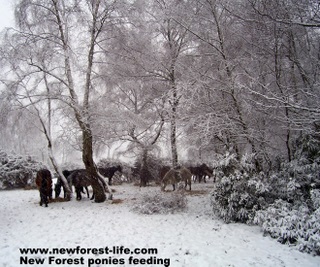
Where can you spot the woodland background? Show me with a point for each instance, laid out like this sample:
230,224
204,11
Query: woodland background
222,75
234,84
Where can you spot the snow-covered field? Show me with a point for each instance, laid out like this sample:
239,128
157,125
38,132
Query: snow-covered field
190,238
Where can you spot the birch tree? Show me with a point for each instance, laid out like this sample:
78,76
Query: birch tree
151,55
173,42
70,30
136,100
29,91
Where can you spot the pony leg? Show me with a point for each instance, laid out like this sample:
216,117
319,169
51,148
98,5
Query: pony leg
40,203
43,199
87,191
163,186
78,192
186,185
64,192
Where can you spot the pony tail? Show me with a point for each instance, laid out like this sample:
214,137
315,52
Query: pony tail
44,183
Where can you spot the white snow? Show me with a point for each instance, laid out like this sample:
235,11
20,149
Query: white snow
190,238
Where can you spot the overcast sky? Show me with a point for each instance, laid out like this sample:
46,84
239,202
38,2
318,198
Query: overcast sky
6,13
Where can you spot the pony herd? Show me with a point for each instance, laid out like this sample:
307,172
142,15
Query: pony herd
80,179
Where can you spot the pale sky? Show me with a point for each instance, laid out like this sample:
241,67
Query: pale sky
6,14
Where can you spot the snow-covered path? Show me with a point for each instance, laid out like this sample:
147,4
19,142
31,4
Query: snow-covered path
190,238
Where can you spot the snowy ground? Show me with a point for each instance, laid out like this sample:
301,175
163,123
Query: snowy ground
191,238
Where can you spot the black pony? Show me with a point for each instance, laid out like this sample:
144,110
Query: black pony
200,172
109,172
80,179
59,184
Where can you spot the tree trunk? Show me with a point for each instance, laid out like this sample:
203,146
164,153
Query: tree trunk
87,158
144,169
60,174
174,105
47,132
173,140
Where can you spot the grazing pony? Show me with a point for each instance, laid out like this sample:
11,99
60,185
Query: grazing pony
80,179
200,172
44,184
176,175
59,184
109,172
163,170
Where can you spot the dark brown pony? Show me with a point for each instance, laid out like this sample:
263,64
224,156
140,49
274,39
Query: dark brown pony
44,184
163,170
80,179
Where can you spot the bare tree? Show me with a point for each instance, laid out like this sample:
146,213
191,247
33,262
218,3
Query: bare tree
173,41
150,55
214,85
29,91
70,56
285,35
251,85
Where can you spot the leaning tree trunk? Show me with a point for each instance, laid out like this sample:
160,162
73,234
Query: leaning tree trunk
87,157
60,174
47,133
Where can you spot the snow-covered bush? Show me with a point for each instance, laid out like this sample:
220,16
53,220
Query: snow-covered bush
294,217
315,198
285,203
295,180
241,191
226,164
17,171
237,197
161,203
291,224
